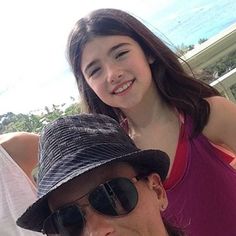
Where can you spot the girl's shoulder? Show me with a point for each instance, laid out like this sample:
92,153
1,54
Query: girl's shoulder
221,126
22,147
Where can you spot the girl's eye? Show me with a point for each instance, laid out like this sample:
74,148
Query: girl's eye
93,72
121,54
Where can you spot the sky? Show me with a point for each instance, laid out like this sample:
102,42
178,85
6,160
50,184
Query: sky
33,67
34,72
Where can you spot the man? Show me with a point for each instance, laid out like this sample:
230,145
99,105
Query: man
94,181
18,157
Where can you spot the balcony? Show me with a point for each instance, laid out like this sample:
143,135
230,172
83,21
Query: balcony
210,52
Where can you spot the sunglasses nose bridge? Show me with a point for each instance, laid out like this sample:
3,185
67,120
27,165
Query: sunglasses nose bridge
98,224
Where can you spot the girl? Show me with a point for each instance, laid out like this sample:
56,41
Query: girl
125,71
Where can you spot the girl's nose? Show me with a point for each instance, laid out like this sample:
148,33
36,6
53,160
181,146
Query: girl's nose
114,74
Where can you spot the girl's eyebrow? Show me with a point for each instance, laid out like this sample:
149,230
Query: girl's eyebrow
109,52
117,46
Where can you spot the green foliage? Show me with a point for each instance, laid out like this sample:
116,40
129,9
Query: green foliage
202,40
52,114
233,90
221,67
11,122
73,109
182,49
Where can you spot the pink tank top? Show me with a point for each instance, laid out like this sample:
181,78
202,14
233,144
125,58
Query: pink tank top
201,188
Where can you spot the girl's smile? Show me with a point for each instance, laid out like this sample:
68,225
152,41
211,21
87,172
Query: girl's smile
123,87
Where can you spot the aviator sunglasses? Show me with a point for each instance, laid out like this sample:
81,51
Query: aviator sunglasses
116,197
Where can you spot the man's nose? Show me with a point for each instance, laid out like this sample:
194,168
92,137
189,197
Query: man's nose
98,225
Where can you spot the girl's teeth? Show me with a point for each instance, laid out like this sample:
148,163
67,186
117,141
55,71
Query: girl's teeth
124,87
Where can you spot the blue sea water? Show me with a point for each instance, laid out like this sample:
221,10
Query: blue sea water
187,21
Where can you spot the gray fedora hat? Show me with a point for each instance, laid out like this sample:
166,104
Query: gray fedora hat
74,145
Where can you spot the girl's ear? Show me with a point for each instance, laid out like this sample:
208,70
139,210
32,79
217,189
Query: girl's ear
150,59
156,185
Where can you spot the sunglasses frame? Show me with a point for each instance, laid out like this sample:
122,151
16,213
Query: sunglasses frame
132,180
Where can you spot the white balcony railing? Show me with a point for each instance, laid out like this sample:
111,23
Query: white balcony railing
224,84
211,51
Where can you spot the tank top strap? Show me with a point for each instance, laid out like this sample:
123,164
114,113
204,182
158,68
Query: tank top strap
180,160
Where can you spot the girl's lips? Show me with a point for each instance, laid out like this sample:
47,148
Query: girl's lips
122,87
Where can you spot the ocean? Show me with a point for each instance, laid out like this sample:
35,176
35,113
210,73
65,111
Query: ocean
186,21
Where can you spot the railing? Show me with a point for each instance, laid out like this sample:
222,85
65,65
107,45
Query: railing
225,84
211,51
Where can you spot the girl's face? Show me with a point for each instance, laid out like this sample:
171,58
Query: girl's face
118,71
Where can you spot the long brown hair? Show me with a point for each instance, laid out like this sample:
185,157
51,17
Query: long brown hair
175,86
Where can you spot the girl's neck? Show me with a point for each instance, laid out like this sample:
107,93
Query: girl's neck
154,113
146,110
149,113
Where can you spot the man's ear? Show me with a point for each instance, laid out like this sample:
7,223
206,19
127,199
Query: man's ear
156,185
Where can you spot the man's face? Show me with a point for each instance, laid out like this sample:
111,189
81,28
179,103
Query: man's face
143,220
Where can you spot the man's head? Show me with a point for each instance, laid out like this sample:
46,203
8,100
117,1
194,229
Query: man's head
111,200
94,180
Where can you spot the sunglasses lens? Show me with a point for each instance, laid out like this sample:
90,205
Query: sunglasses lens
114,198
49,226
67,221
